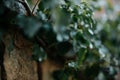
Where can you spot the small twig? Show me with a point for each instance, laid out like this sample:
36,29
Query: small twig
38,1
41,42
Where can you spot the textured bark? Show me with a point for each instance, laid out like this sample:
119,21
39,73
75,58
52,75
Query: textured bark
18,63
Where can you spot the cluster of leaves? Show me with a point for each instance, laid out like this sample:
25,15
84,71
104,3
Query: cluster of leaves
64,29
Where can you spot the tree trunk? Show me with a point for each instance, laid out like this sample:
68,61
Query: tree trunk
18,62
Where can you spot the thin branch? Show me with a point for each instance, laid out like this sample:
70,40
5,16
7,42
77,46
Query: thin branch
38,1
40,42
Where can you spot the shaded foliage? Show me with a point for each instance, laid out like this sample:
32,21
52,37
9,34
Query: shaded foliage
65,31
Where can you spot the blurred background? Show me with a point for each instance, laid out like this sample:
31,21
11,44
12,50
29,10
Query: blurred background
107,15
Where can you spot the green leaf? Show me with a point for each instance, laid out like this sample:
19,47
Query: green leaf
64,47
11,46
80,37
60,75
81,55
30,25
38,53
